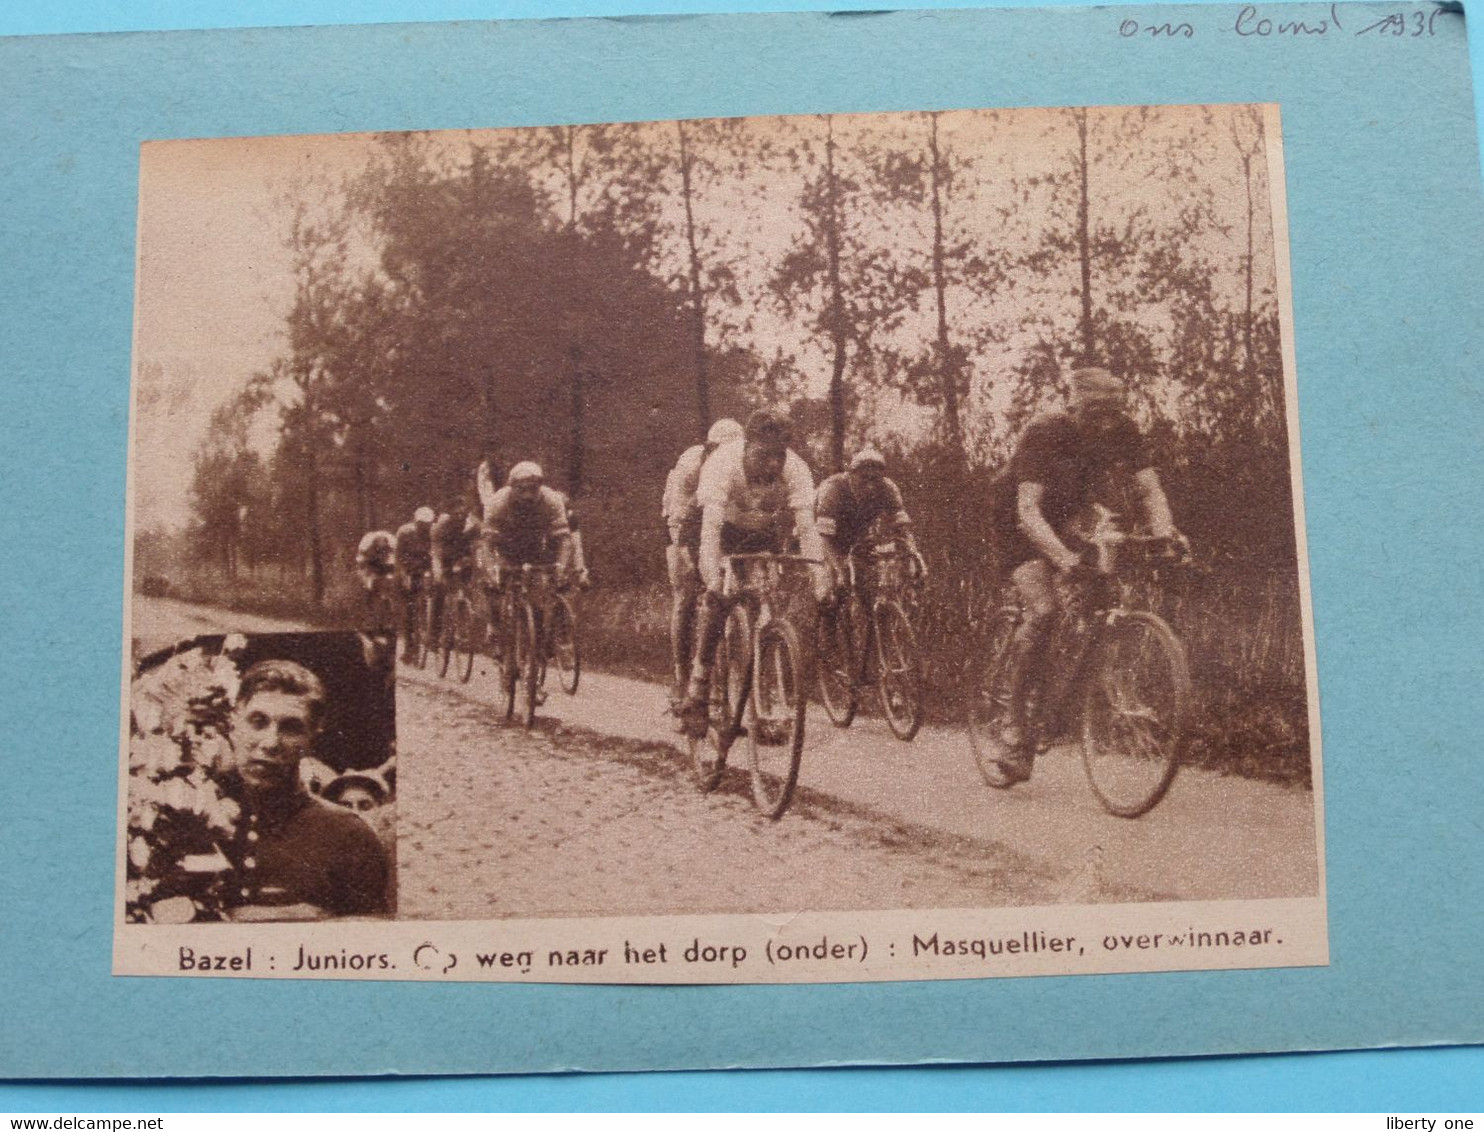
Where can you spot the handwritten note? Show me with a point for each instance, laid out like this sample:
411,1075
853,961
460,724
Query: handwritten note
1252,23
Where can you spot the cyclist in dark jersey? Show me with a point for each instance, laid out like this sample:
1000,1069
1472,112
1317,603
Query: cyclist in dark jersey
850,505
1063,465
453,536
414,558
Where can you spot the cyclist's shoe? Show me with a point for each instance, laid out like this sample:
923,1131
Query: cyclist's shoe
771,732
694,718
1016,764
540,696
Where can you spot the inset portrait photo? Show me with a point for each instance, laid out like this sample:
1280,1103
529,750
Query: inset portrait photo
261,781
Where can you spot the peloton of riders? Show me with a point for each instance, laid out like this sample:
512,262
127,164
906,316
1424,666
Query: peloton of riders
746,490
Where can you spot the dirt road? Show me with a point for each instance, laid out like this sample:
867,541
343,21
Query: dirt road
592,813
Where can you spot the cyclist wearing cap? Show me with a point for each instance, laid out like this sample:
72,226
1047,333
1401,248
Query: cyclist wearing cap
682,517
756,495
1063,464
853,503
414,559
375,558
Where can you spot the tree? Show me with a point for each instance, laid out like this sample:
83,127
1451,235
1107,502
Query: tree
838,279
926,174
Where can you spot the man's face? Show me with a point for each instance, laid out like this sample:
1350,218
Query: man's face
866,478
358,798
526,491
271,732
762,462
1097,412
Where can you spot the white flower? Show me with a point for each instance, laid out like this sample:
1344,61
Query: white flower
173,910
139,853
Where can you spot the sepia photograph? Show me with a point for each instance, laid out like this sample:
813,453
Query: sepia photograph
261,780
849,516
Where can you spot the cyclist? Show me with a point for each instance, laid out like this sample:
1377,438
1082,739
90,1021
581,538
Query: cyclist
487,482
526,524
579,575
414,559
375,559
452,546
853,503
682,516
756,495
1062,465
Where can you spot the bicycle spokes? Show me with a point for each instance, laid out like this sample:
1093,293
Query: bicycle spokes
775,725
1134,714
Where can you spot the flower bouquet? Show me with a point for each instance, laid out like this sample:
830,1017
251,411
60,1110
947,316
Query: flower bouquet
180,812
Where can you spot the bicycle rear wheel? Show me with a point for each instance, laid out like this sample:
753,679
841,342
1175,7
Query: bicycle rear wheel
1135,713
730,687
989,703
835,654
775,724
898,670
563,635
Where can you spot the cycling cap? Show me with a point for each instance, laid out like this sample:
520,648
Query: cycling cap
526,470
868,458
1095,381
724,431
768,427
423,515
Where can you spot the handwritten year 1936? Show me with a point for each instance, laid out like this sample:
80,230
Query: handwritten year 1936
1252,23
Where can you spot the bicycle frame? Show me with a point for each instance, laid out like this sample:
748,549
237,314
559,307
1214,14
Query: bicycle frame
1084,611
890,585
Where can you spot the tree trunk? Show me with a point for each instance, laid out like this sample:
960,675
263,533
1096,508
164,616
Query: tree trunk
574,350
574,462
697,295
947,371
837,300
1084,240
311,496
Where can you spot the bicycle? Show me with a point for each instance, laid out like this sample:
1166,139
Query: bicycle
421,645
458,644
560,641
529,594
848,637
383,601
758,684
1116,677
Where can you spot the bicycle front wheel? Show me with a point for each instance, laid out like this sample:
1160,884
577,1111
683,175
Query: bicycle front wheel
527,665
730,688
563,632
989,703
898,670
465,637
448,637
775,724
1135,713
422,626
834,652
